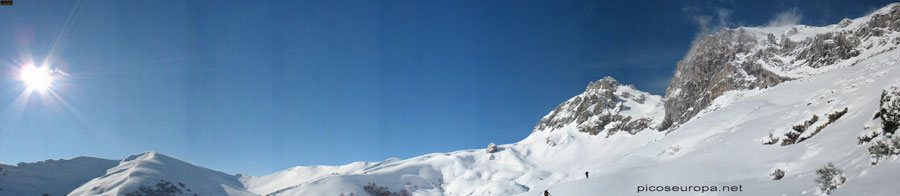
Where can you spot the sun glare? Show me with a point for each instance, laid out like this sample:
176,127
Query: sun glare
36,78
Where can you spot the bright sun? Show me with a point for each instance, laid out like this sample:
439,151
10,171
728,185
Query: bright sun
36,78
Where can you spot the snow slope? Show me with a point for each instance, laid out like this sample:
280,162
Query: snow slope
722,147
54,177
297,175
555,153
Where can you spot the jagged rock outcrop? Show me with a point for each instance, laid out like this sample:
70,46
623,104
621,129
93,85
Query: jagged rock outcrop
606,105
711,69
761,57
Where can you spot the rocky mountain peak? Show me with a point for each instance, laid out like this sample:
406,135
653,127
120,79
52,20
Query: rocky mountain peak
605,105
607,83
760,57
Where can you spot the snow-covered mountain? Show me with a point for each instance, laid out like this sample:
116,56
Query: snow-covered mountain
763,109
731,143
53,177
760,57
153,173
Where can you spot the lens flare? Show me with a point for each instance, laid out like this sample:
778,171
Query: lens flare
36,78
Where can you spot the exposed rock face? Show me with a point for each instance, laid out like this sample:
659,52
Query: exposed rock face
605,105
710,70
755,57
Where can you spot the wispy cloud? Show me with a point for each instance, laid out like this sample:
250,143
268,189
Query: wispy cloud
708,23
785,18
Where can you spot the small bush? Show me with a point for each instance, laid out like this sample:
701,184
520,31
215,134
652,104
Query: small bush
777,174
886,142
791,137
867,136
836,115
802,127
884,148
830,178
889,110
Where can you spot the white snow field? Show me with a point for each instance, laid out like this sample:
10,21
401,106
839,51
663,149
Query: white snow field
736,142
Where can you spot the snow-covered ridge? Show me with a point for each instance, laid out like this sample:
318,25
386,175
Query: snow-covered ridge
153,172
53,177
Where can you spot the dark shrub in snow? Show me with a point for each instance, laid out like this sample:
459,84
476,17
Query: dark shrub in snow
802,127
796,134
793,136
889,110
376,190
829,178
777,174
884,148
886,142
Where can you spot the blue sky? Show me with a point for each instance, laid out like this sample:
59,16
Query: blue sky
257,87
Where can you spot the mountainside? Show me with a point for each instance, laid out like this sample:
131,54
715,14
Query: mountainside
791,110
732,144
761,57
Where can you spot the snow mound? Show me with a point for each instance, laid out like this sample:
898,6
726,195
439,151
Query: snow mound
153,171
